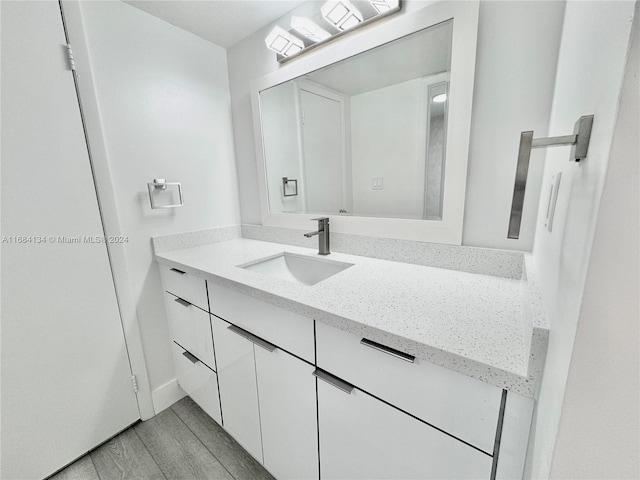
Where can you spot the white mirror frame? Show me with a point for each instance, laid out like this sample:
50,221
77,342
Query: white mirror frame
463,60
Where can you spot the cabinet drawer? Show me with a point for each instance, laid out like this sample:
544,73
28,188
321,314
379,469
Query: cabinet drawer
190,328
198,381
190,288
462,406
283,328
362,438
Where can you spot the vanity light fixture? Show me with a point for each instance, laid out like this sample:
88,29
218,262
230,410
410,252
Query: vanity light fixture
383,6
283,43
309,29
343,17
341,14
441,98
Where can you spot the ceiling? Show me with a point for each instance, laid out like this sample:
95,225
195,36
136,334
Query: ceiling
223,22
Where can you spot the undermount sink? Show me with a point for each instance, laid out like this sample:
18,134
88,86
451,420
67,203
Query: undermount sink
297,268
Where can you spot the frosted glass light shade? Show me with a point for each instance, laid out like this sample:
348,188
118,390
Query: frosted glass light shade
441,98
309,29
292,49
282,42
383,6
341,14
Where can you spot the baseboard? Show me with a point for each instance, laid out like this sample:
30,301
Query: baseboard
166,395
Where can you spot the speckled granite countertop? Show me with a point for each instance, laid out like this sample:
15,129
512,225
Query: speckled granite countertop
478,325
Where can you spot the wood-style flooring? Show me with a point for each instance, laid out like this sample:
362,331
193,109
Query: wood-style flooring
180,443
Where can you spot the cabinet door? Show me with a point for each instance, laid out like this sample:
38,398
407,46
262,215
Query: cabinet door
238,392
288,415
364,438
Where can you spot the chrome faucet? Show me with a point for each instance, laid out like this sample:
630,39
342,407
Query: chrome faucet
323,235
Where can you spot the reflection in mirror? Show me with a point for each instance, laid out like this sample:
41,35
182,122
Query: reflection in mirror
365,136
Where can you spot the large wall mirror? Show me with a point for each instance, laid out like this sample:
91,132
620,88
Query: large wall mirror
374,131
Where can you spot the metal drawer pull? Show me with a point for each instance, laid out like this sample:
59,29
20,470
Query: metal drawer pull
182,302
269,347
192,358
391,351
335,381
178,271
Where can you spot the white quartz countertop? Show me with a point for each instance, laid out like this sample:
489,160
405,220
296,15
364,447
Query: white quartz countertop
470,323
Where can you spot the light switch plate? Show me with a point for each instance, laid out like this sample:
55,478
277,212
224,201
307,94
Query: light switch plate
377,183
553,199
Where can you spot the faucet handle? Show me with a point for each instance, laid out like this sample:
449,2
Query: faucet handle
321,219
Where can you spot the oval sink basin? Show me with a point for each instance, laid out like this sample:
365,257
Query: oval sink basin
297,268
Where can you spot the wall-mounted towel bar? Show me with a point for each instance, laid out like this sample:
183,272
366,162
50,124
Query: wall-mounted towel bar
579,140
285,182
159,184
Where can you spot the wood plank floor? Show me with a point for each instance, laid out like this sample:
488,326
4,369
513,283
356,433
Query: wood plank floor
181,443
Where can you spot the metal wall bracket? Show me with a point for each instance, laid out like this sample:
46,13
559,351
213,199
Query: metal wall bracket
580,141
162,184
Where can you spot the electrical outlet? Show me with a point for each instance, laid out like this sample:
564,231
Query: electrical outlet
377,183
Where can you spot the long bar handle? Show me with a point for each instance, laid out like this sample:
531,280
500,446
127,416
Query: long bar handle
182,302
333,381
191,357
580,141
178,271
388,350
269,347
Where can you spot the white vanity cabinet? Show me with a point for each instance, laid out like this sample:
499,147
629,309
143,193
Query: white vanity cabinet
363,438
461,406
187,309
384,414
400,417
310,401
268,395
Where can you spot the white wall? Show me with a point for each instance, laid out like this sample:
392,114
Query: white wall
388,124
515,71
590,71
164,103
600,424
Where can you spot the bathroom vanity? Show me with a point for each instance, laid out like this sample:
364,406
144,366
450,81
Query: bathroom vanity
378,369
